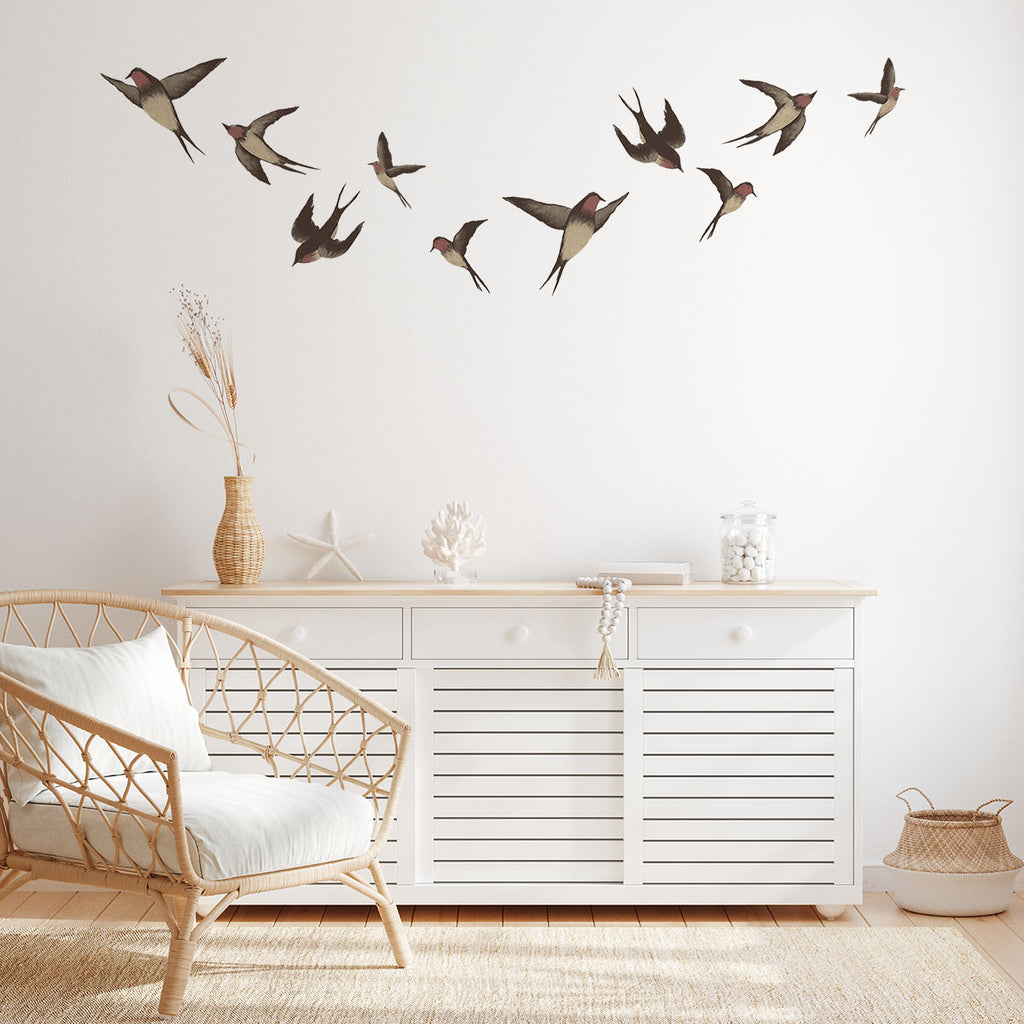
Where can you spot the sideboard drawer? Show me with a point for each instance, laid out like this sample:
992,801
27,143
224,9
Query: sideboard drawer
331,636
755,633
511,633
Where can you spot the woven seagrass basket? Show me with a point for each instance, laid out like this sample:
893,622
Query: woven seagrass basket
953,862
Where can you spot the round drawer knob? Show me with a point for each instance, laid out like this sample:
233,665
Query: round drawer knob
520,634
743,634
296,634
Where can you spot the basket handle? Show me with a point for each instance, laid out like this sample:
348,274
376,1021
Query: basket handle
998,799
910,809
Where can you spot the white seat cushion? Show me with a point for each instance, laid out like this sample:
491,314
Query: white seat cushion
133,685
236,824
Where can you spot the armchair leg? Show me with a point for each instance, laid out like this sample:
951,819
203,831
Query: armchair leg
179,966
179,958
393,926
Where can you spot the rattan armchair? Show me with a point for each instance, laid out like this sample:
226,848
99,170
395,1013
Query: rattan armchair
357,745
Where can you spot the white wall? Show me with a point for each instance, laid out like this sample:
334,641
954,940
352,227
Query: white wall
845,349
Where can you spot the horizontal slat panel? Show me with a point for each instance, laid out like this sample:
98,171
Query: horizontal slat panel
740,743
740,700
524,871
738,764
479,850
525,721
518,679
743,786
739,721
510,633
739,807
516,828
225,757
540,701
527,785
527,807
739,874
709,633
279,699
535,743
322,634
527,764
728,851
673,680
314,723
740,829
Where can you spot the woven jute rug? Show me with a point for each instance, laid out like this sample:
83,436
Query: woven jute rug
345,975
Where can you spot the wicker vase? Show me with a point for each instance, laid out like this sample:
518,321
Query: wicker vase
238,544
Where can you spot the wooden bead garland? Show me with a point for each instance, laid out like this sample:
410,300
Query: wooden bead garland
613,601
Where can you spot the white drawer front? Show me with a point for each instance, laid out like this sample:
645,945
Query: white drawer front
444,634
747,633
331,636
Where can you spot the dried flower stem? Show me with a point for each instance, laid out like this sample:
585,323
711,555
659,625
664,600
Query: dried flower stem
203,342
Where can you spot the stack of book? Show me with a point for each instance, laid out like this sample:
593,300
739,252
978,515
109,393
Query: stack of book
650,573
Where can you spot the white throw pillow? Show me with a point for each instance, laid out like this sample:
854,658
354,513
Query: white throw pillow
133,685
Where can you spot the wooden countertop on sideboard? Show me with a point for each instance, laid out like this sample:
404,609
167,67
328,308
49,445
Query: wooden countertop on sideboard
509,588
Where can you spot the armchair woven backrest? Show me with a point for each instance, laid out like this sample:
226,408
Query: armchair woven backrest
252,694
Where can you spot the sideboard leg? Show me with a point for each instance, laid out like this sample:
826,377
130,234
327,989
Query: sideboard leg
830,911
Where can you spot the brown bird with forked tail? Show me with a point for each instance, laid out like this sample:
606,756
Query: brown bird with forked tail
251,149
577,225
788,118
155,96
319,242
654,147
887,95
454,251
732,198
387,170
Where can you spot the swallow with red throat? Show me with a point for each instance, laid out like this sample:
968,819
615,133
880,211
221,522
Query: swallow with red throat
454,251
732,198
251,149
387,170
156,96
654,147
887,95
788,118
319,242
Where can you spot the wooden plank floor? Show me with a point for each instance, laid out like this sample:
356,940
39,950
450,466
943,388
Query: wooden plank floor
1000,937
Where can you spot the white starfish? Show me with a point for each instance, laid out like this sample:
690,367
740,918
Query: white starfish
332,547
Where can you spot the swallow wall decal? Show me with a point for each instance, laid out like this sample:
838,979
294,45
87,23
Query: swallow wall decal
788,118
156,96
319,242
454,251
251,149
732,198
654,147
887,95
386,170
577,225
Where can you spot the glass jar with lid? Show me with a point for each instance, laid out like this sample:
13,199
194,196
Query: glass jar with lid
748,545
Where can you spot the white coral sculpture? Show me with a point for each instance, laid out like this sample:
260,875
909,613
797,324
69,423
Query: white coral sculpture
453,536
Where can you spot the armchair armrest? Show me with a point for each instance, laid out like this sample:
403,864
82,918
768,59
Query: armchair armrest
135,826
304,721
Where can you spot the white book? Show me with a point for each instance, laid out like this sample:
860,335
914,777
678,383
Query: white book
651,573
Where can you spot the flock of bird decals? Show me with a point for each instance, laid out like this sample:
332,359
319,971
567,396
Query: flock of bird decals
577,224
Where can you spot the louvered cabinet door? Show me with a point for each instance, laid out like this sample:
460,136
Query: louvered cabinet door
747,776
527,775
380,684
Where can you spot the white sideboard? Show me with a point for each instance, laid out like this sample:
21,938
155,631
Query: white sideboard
722,767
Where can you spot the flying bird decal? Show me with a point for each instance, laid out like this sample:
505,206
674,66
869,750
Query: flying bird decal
386,170
156,97
788,118
887,95
454,251
319,242
577,225
732,198
654,147
251,149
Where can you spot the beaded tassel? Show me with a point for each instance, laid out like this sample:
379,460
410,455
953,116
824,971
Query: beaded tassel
613,601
